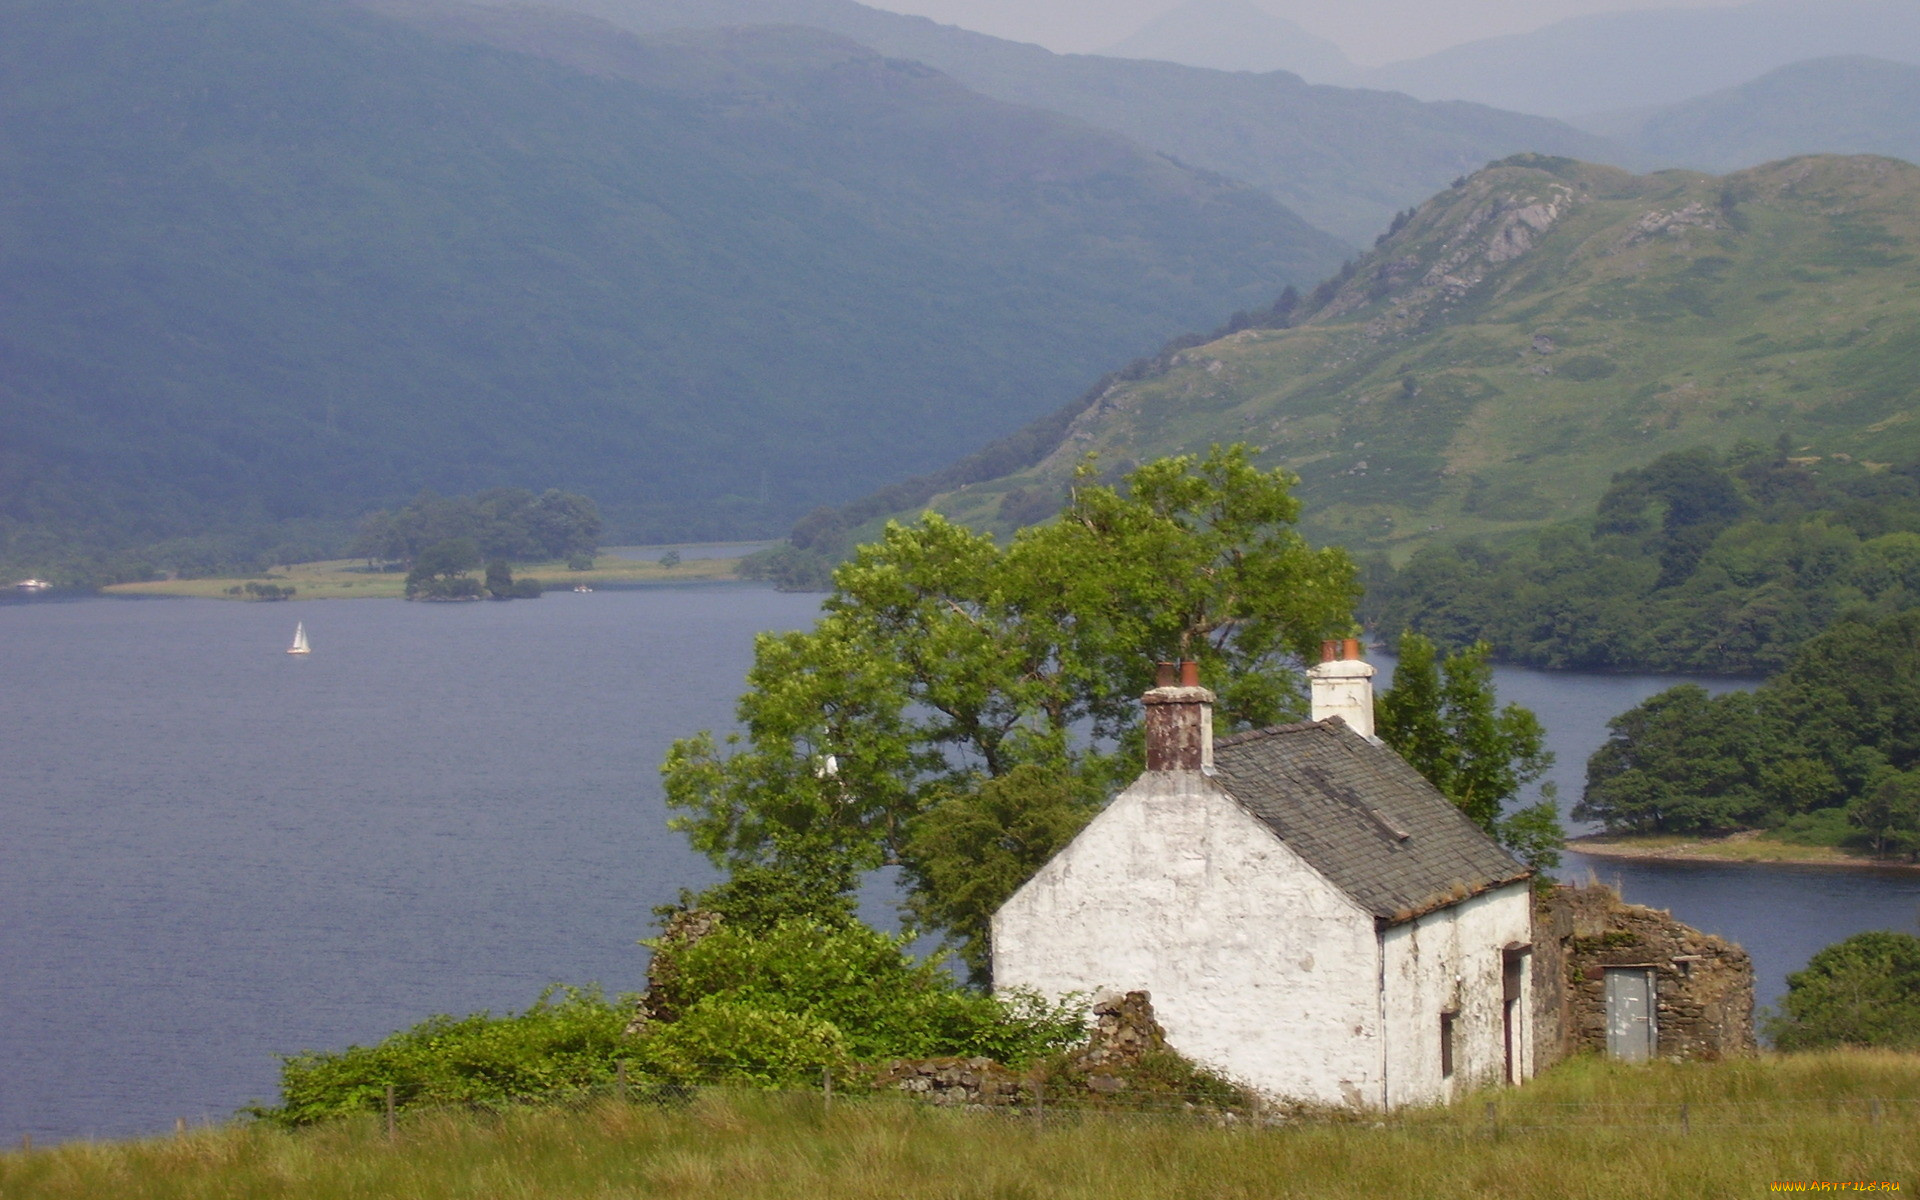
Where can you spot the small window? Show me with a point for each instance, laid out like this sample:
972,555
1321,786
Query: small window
1446,1044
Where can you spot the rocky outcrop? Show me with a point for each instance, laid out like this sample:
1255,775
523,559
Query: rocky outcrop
657,1003
1125,1061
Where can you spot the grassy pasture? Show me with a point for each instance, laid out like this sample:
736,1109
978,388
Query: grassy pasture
1589,1129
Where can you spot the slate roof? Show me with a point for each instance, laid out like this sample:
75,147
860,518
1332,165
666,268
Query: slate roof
1358,814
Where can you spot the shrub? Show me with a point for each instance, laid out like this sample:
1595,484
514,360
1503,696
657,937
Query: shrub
553,1049
1864,991
785,988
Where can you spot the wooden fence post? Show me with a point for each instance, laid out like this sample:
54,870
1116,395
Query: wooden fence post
620,1079
1686,1117
390,1121
179,1127
826,1087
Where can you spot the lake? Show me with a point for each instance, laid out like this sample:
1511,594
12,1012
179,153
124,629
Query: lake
212,852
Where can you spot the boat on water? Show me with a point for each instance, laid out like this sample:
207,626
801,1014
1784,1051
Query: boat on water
581,587
33,585
299,639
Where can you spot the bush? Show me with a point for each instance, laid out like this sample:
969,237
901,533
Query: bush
1864,991
551,1050
805,994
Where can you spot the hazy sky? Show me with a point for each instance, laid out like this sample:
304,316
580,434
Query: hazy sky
1370,31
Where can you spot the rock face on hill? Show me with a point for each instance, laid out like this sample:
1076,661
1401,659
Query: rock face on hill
1536,329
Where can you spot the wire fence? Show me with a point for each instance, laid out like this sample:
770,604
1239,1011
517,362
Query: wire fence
1042,1105
1046,1104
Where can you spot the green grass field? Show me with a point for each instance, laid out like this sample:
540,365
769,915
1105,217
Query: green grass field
1588,1129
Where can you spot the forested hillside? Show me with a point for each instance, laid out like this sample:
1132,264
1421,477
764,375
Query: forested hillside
1694,563
1828,750
1534,331
273,261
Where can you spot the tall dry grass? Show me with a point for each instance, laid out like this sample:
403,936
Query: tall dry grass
1588,1129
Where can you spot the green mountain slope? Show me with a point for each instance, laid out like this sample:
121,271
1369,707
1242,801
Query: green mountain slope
1345,159
273,259
1845,105
1536,330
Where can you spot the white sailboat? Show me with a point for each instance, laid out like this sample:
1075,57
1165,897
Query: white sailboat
299,639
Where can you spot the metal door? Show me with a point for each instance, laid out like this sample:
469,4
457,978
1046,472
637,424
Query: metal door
1630,1007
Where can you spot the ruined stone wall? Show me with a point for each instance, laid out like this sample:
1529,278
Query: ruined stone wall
1703,984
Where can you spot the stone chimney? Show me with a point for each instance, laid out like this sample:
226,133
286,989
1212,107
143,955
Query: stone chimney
1343,686
1179,720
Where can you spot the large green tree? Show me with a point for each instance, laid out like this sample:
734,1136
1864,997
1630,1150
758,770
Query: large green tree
943,663
1442,716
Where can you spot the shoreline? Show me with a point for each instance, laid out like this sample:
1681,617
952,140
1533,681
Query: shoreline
1747,846
347,579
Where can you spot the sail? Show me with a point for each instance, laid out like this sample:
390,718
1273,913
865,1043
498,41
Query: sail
299,639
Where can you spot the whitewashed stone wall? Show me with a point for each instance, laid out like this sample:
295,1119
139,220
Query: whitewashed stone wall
1258,967
1450,961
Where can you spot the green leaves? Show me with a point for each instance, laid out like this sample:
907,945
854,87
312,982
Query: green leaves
1441,718
554,1048
778,1004
945,662
1864,991
973,848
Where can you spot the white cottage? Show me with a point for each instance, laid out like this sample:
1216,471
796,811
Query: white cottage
1311,917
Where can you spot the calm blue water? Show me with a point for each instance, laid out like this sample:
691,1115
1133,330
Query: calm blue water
212,853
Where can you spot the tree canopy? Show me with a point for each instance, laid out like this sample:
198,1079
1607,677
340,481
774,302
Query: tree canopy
1696,562
1838,730
500,523
945,663
1442,717
1864,991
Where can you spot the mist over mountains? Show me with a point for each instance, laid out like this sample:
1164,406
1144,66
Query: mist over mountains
1641,58
1235,35
1846,105
275,259
1344,159
713,262
1654,57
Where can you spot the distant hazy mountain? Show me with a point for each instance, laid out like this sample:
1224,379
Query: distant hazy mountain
1654,56
1344,159
1853,105
1235,35
274,259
